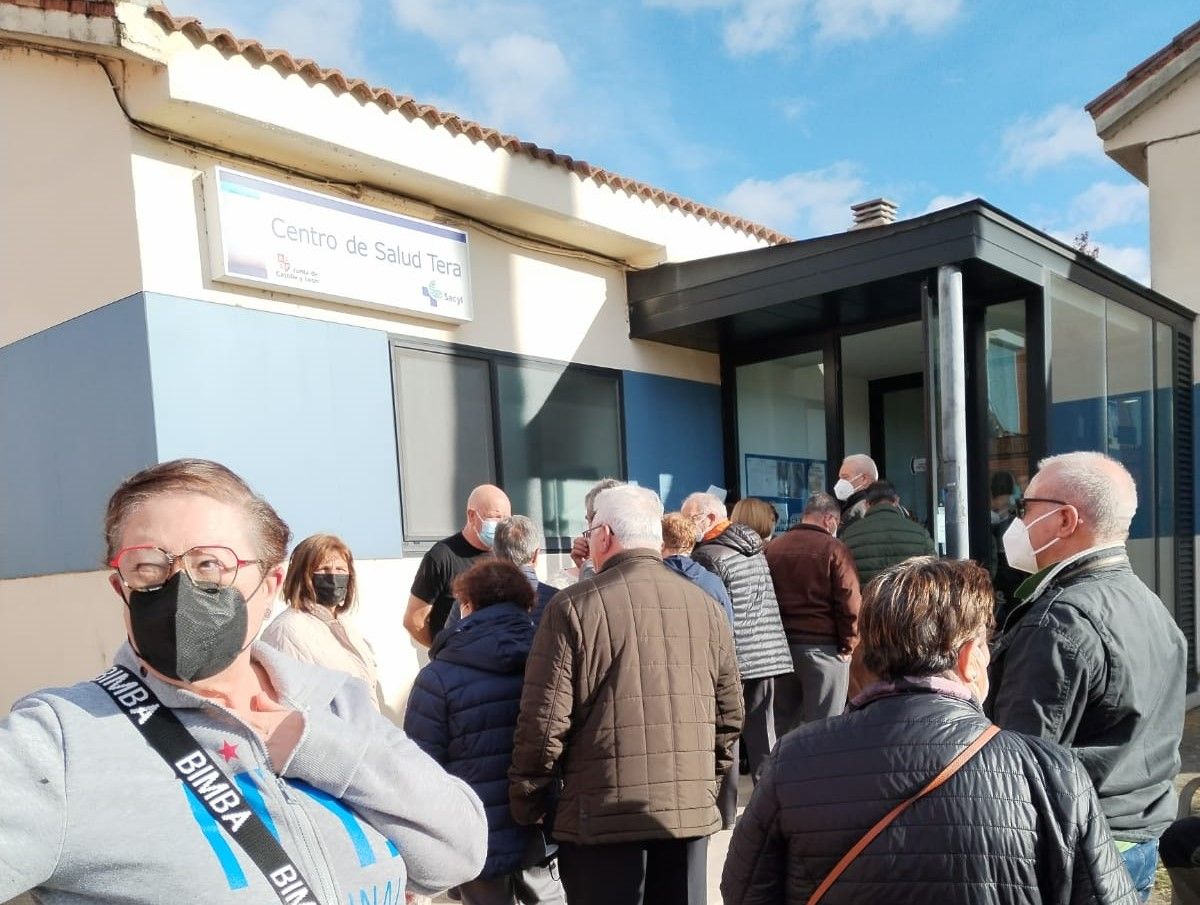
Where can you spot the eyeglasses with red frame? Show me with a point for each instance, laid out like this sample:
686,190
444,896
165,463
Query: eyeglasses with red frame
145,567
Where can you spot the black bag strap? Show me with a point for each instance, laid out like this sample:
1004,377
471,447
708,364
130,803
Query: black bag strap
200,774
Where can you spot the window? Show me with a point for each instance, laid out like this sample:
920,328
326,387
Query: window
544,431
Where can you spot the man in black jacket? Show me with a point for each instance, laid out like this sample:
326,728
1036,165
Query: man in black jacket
1018,823
1089,657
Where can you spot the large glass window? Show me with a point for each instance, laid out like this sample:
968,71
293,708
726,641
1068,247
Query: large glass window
444,413
543,431
1130,417
1078,382
559,434
1111,372
781,431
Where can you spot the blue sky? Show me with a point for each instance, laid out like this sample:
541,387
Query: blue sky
783,111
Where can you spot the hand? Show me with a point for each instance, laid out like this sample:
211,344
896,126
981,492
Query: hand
579,551
845,658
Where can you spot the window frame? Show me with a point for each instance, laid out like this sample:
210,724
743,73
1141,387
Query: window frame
494,358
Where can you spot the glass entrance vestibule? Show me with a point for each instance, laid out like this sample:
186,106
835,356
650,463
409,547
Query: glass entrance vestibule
957,349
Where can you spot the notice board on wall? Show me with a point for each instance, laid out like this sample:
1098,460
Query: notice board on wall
786,482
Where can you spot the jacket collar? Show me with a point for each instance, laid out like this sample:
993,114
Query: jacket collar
799,525
1083,561
631,555
939,685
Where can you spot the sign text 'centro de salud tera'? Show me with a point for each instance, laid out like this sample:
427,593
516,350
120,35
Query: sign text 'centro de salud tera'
270,235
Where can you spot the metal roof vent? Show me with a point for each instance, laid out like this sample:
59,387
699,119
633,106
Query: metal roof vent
876,212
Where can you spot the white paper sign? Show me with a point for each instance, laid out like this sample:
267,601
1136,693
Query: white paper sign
264,233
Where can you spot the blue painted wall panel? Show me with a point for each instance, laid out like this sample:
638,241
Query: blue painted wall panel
673,435
76,418
301,409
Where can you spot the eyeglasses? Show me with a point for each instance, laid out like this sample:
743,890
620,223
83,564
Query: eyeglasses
147,568
1019,507
588,531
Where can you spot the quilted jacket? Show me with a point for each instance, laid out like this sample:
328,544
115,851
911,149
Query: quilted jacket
736,556
883,537
463,709
632,697
1019,823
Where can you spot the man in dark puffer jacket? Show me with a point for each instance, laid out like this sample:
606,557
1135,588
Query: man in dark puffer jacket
885,535
463,712
1018,823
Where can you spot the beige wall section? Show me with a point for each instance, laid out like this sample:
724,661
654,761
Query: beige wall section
1175,218
68,241
527,300
58,630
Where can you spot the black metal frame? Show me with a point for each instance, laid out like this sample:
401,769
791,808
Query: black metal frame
494,358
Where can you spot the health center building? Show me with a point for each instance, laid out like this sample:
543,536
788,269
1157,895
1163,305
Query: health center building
366,306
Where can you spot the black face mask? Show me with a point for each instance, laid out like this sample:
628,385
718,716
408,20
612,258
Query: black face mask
187,632
330,588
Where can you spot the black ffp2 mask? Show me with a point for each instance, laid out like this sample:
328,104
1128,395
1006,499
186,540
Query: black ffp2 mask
330,587
185,631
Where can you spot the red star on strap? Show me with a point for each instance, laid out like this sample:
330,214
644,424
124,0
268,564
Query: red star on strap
228,751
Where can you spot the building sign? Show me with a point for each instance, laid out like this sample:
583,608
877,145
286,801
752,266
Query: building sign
266,234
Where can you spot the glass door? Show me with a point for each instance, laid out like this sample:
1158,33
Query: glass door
781,432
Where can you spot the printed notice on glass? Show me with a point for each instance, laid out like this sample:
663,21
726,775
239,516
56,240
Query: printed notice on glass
267,234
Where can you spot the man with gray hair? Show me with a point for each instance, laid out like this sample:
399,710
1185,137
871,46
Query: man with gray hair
1089,657
734,553
632,697
858,472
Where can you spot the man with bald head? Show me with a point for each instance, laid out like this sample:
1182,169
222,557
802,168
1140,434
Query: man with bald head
1089,657
431,598
858,472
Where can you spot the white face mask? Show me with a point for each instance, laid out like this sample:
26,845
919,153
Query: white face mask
843,489
1018,548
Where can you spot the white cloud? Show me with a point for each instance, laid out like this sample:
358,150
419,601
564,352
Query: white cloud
793,108
763,25
521,81
856,20
1131,260
517,75
760,26
812,203
1064,133
1106,204
940,202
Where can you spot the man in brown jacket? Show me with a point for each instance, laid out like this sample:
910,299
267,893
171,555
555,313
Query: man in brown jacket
817,589
632,698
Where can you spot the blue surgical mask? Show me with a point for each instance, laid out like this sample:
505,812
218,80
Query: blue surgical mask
487,531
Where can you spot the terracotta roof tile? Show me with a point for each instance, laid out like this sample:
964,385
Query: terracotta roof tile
226,42
104,8
1145,69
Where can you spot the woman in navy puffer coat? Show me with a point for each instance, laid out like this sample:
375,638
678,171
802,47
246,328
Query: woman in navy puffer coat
463,711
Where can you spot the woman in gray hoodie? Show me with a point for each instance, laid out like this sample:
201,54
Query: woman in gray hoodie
203,767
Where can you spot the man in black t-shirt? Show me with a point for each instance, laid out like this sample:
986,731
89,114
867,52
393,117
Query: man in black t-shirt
431,597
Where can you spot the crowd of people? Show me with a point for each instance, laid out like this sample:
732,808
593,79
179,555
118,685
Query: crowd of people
580,742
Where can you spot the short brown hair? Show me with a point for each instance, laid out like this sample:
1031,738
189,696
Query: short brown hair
679,533
918,614
494,581
210,479
757,515
298,588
